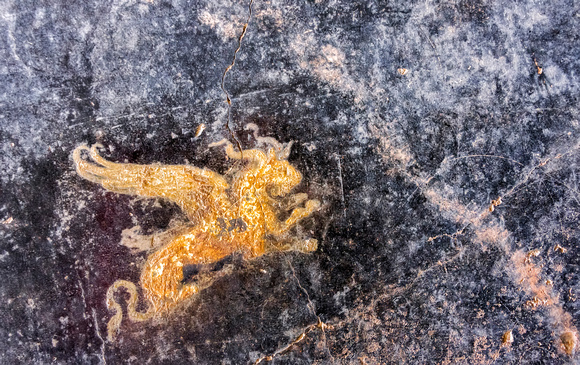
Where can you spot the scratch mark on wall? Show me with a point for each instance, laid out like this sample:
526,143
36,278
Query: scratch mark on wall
338,158
98,331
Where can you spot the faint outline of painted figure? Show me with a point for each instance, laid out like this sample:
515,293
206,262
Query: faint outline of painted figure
229,214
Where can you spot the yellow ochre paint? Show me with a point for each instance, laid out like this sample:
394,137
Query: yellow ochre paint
212,202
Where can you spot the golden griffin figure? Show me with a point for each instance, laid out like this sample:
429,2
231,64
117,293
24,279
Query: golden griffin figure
230,214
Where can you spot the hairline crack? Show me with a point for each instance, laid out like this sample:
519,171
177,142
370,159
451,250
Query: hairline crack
307,329
230,67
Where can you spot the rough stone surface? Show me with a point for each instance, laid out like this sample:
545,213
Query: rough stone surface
409,119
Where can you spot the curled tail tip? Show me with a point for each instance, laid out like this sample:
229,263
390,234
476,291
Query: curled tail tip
120,284
113,327
77,153
92,150
115,322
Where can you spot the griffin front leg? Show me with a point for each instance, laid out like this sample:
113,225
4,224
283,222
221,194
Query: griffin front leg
276,227
295,200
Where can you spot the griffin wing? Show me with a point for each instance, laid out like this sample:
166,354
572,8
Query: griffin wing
195,190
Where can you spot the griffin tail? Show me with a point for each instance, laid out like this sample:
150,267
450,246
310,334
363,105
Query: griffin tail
114,306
